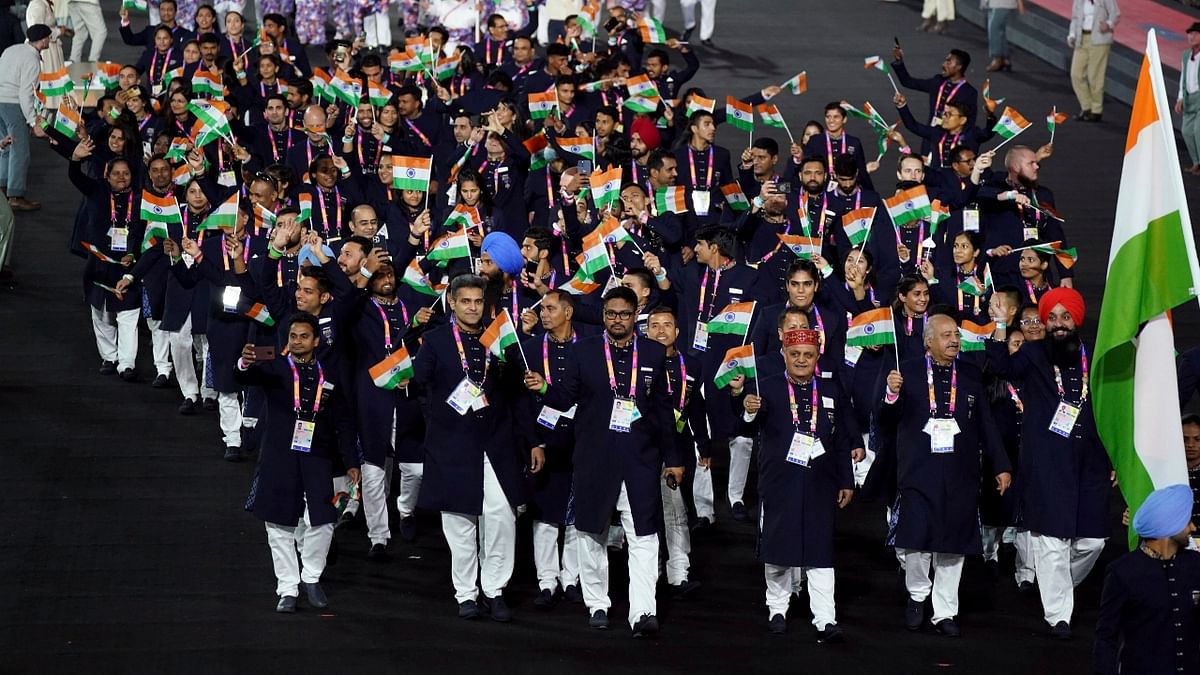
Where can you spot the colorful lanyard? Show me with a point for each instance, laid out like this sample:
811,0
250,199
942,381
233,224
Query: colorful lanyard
274,147
1032,291
709,170
359,148
154,63
546,354
820,327
682,382
612,375
487,51
415,130
387,324
296,387
812,422
279,271
908,319
704,288
829,149
462,353
932,393
1083,380
309,150
937,106
1014,395
337,204
225,253
944,148
920,242
112,204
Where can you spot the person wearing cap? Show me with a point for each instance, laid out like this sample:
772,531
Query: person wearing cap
1065,474
1187,102
20,68
501,263
936,412
808,436
1150,607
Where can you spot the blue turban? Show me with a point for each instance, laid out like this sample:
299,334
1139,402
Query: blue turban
1165,512
504,251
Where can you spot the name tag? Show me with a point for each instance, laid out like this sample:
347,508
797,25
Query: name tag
700,342
1064,419
941,434
549,417
700,202
1029,233
302,436
227,179
467,396
624,414
119,238
935,121
853,354
804,449
970,220
230,297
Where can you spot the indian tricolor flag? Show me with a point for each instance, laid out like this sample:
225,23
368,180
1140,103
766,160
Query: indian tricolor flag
909,206
1152,268
735,197
404,62
411,173
697,102
802,247
100,255
589,18
671,199
463,216
320,83
594,256
67,121
737,361
212,114
345,88
225,215
450,246
582,146
417,280
1065,256
611,231
606,187
446,67
973,337
652,31
378,94
397,367
57,83
733,320
857,224
1011,124
259,313
771,117
739,115
876,63
580,284
500,335
304,199
541,103
205,83
798,84
872,329
157,209
108,74
642,86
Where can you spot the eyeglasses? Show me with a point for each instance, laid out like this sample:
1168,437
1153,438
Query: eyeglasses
613,314
1031,322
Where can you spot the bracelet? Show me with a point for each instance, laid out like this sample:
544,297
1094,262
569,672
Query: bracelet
364,272
1001,325
274,254
661,275
543,389
196,260
127,277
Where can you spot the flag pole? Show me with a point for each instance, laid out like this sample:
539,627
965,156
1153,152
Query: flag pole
747,335
756,392
1001,145
519,347
1026,248
1054,114
791,140
888,72
896,343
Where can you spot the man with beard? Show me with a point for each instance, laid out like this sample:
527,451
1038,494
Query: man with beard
935,412
758,166
644,139
501,263
1014,207
1065,474
1148,621
273,137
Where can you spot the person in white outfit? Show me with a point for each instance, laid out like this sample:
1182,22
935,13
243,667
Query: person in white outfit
88,20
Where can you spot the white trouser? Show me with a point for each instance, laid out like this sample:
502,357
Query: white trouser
311,542
117,336
160,347
1060,565
820,591
410,487
550,572
741,449
643,566
708,11
379,32
88,21
658,10
1023,563
675,532
224,7
702,492
862,468
482,547
229,412
942,10
374,501
887,520
182,343
947,571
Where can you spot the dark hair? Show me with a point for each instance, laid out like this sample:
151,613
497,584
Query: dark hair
643,275
276,19
467,281
564,79
957,152
1190,418
621,293
173,3
363,243
409,90
810,159
721,237
696,116
491,20
844,164
907,283
610,110
304,318
440,30
1028,307
657,159
320,276
1011,292
370,61
766,143
1044,257
974,237
282,98
562,296
658,53
557,49
300,85
835,105
498,79
543,237
288,211
273,58
803,265
209,38
963,58
485,197
789,311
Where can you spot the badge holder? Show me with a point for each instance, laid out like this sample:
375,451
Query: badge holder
700,202
804,449
302,436
467,396
230,298
624,414
700,342
119,236
941,435
1064,419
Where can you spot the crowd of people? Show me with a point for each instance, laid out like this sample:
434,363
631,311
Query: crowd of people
492,277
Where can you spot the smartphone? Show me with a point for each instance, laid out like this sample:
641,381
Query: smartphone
783,188
611,24
671,483
531,268
585,167
896,41
264,353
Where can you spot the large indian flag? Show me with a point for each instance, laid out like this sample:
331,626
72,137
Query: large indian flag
1152,268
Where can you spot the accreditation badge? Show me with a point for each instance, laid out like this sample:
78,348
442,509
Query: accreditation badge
467,396
700,342
804,449
941,435
700,202
302,436
119,238
624,414
1064,419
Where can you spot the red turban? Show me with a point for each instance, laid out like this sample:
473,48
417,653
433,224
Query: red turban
643,127
802,337
1069,298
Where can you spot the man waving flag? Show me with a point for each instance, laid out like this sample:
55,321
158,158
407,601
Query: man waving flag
1152,268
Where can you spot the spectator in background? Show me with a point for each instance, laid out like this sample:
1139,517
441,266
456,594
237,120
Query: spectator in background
936,15
10,26
20,66
1188,101
1091,36
88,21
999,13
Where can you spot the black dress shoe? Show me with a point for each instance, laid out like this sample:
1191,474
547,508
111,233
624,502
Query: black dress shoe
497,608
687,34
740,514
948,627
129,375
188,407
777,625
1026,588
108,367
345,519
408,529
210,404
379,553
646,627
1061,631
233,453
599,620
286,605
702,527
831,634
573,594
161,382
680,591
545,599
315,596
707,43
468,610
914,614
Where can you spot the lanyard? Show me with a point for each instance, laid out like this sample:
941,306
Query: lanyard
462,353
145,121
296,387
633,370
166,64
112,203
337,205
279,270
937,106
708,172
274,147
820,327
944,147
961,277
1014,395
812,422
704,289
309,150
1083,379
415,130
546,354
225,253
953,386
387,324
920,243
515,300
682,382
829,149
1032,291
806,215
